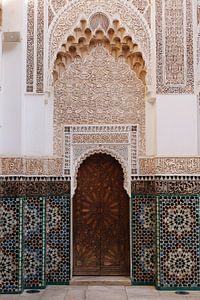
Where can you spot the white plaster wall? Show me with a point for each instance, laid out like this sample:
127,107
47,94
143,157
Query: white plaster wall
198,119
150,123
49,106
1,108
37,126
177,125
11,80
25,120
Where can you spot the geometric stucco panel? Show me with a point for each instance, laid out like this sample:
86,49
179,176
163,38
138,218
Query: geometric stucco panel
98,90
70,15
119,141
174,46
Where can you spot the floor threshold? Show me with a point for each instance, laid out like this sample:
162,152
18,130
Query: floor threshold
100,280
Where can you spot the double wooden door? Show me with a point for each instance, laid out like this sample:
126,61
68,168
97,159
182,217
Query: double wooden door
100,219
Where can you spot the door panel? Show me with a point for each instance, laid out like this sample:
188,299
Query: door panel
101,219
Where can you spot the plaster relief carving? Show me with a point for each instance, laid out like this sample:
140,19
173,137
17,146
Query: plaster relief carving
56,5
35,46
169,165
30,46
174,35
0,13
17,166
119,138
71,14
198,12
108,151
98,90
61,16
119,141
114,38
141,5
99,20
198,43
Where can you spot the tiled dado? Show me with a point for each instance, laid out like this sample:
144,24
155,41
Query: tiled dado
178,229
34,232
11,244
34,241
165,231
143,239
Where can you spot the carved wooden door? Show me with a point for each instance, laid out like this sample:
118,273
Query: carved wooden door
100,219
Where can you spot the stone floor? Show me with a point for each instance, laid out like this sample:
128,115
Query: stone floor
102,293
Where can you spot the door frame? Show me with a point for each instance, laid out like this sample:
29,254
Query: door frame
71,215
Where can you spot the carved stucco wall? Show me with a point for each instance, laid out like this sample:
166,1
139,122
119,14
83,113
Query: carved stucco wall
99,29
119,141
143,6
130,17
198,43
52,26
0,14
35,166
98,90
35,46
174,37
174,46
174,51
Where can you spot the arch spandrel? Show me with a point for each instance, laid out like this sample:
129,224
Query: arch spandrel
103,150
68,17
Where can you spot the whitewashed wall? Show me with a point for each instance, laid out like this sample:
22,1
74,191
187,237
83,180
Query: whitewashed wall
12,72
37,125
1,108
177,125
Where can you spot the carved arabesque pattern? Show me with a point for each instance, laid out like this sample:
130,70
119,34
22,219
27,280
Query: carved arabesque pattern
35,46
141,5
198,12
85,38
119,141
54,166
37,19
174,39
31,166
65,20
0,13
30,46
98,90
198,43
56,5
40,47
170,165
50,15
102,138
